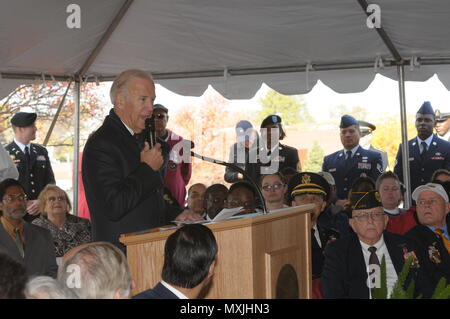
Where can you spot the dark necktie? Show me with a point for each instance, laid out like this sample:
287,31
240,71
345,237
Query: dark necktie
27,157
373,260
19,242
446,242
424,149
349,155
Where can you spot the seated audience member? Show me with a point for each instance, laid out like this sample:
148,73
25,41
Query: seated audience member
333,217
432,234
274,189
242,194
442,175
13,278
311,188
196,199
349,259
30,245
189,263
104,272
43,287
215,196
68,231
391,195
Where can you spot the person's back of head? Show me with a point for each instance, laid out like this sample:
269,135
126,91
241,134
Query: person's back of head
44,287
189,256
96,271
13,278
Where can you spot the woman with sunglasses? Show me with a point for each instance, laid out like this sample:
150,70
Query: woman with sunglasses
274,189
68,231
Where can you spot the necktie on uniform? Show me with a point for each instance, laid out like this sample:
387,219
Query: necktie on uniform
373,260
446,242
424,149
27,157
19,242
349,155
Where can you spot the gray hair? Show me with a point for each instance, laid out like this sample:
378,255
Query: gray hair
96,271
44,287
120,84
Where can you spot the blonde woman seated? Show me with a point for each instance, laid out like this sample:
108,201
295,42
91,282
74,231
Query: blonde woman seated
68,231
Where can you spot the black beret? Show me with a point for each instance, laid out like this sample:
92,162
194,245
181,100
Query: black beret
160,107
426,108
309,183
366,127
440,117
271,119
23,119
347,120
364,200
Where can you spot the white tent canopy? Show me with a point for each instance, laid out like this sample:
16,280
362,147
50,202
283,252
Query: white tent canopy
233,45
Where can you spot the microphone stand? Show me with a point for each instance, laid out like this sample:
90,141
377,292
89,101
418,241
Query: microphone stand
240,170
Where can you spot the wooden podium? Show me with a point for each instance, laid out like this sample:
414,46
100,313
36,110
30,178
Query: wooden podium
267,256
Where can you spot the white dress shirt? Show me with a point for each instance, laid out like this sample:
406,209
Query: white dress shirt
22,146
391,274
395,211
428,141
316,235
176,292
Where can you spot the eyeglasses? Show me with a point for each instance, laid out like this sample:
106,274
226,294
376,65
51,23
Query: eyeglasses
274,187
59,198
11,198
424,202
364,217
160,116
236,203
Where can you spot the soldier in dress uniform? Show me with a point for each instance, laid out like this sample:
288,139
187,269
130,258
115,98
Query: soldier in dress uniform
443,125
353,161
33,164
427,152
366,130
273,155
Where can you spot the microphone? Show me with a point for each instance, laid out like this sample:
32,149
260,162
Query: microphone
150,135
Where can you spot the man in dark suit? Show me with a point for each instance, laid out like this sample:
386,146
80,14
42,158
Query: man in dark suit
351,262
124,189
274,156
353,161
189,263
311,188
432,234
33,164
427,152
30,245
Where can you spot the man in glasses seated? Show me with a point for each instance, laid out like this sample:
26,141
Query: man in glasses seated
242,194
30,245
352,263
215,197
274,189
432,234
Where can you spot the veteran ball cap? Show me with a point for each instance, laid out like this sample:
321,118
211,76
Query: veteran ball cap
160,107
309,183
426,108
270,120
365,200
441,117
436,188
23,119
347,120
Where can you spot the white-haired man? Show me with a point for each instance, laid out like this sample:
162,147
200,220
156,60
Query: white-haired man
124,189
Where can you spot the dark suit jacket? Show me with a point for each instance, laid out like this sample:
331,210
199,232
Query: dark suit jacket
344,274
158,292
123,194
326,235
426,239
437,156
384,157
363,161
40,256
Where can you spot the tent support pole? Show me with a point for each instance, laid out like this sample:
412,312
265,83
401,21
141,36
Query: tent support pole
405,147
76,145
